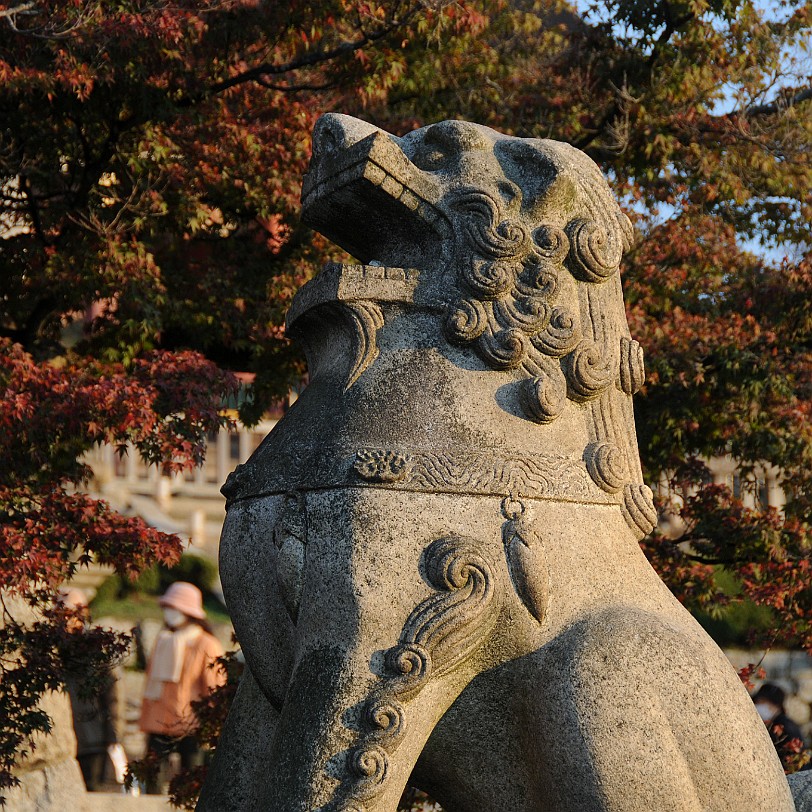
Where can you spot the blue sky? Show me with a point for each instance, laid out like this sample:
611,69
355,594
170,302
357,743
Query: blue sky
797,66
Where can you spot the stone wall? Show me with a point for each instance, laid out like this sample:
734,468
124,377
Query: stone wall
50,778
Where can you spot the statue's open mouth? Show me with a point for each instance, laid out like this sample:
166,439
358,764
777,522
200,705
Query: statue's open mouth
373,202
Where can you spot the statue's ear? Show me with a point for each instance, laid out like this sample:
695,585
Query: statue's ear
537,174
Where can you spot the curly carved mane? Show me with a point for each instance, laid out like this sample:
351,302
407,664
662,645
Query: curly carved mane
510,277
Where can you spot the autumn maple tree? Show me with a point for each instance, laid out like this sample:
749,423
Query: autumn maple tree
150,165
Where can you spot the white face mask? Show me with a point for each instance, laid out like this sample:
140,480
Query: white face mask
765,711
174,618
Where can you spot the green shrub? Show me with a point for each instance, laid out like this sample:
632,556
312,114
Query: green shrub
155,581
108,591
202,572
148,582
116,587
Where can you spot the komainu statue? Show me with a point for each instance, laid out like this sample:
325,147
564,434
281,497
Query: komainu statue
432,561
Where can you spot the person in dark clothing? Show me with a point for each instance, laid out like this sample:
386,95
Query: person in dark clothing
784,732
95,716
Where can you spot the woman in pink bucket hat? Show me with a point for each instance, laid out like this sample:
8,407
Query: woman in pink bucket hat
181,670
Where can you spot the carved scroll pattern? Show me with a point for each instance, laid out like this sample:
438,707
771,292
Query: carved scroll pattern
378,465
507,311
441,633
540,475
366,318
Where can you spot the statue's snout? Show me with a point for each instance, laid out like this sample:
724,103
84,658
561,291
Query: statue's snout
335,131
364,193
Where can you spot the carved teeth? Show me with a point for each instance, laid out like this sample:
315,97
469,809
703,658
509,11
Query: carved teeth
374,174
409,199
391,186
378,176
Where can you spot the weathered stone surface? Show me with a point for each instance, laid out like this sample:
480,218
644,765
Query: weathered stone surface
60,743
801,786
54,787
432,561
49,775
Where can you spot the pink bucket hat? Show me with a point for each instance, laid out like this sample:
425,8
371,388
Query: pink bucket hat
184,597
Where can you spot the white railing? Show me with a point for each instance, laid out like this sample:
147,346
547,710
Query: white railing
189,503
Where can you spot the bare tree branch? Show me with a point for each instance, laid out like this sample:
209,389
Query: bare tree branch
296,88
259,72
616,108
48,31
779,104
24,8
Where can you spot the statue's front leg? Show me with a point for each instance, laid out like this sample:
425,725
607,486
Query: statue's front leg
235,778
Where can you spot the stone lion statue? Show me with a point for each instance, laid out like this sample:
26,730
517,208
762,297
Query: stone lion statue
432,561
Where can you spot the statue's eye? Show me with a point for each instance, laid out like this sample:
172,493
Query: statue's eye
429,158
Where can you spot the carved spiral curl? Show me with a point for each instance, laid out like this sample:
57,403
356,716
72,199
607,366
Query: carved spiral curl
543,280
447,568
529,314
632,366
560,336
387,719
588,374
410,665
594,253
513,234
490,279
543,397
371,765
606,466
504,239
539,279
453,623
466,321
368,762
505,349
551,242
638,509
493,236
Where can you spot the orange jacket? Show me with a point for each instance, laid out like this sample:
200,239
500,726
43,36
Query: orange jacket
172,715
